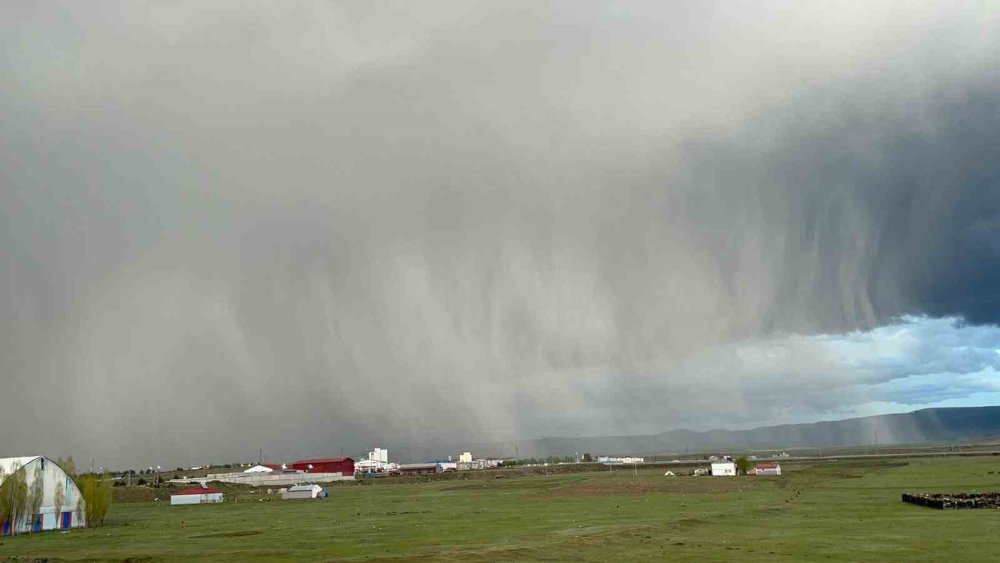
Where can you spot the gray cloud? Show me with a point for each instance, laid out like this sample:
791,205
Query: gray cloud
316,227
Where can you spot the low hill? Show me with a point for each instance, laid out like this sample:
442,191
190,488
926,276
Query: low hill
939,425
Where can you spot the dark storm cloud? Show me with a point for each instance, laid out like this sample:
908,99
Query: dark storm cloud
893,210
329,225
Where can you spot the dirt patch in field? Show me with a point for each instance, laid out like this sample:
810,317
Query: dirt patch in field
683,485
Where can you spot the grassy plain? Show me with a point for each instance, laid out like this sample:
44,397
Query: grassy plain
820,511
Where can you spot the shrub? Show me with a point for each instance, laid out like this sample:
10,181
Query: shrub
743,465
96,492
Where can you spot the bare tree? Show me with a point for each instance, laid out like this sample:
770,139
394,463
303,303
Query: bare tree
69,466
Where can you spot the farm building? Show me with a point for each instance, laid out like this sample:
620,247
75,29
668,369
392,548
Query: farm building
61,504
342,465
723,468
626,460
418,469
303,491
376,462
767,469
196,495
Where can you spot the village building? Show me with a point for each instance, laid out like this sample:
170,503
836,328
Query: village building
767,469
723,469
303,492
342,465
626,460
196,495
418,469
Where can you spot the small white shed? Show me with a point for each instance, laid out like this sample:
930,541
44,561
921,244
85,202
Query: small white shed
196,495
724,469
303,491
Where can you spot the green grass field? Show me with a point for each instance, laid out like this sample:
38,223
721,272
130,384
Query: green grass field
842,511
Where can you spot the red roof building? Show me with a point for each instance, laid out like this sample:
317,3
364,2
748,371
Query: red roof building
196,495
342,465
767,469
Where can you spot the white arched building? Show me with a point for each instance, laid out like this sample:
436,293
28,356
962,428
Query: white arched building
49,516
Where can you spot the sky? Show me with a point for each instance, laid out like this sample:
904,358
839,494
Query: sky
320,227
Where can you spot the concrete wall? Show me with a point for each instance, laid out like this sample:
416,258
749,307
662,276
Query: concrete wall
276,479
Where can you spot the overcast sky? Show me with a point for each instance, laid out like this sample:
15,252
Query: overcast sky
320,227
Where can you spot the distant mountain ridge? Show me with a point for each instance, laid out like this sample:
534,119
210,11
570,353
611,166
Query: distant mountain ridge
935,425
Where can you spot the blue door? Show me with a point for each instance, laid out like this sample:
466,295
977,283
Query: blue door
36,526
5,528
67,518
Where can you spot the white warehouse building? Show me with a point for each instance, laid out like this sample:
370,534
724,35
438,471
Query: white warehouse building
724,468
61,505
